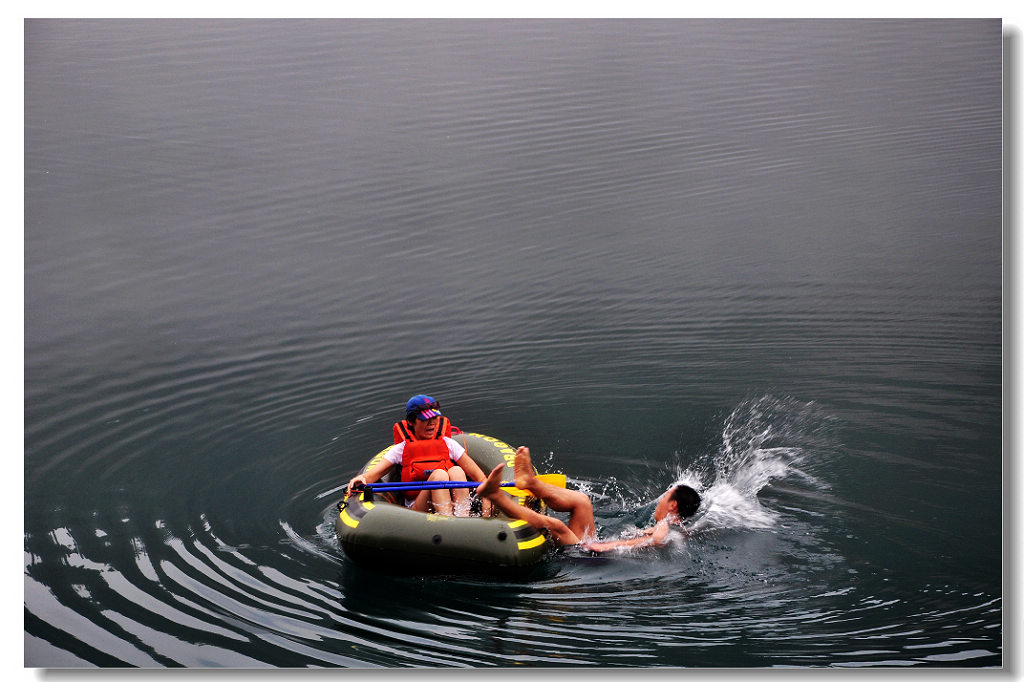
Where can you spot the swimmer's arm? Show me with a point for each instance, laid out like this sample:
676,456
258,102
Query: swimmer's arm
650,537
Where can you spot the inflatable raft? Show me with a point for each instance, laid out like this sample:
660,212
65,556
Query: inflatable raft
383,535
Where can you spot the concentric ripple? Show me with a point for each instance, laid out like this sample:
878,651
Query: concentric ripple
761,258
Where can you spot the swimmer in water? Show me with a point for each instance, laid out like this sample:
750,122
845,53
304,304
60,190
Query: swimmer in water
674,506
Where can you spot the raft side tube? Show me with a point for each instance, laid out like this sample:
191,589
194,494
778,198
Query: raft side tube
386,536
397,540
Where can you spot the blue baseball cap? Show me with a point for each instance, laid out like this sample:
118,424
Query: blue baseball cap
422,407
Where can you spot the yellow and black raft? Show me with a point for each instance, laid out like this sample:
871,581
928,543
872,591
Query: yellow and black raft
378,532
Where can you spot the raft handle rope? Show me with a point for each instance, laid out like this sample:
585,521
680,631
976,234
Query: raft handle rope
367,492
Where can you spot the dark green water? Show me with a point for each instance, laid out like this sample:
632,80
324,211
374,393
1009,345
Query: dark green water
763,257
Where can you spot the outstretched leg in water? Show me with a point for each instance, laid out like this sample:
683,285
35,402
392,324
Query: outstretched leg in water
581,512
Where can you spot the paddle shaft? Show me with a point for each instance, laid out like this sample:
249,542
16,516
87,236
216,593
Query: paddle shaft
427,485
554,479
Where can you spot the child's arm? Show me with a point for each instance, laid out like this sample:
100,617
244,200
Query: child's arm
472,469
371,475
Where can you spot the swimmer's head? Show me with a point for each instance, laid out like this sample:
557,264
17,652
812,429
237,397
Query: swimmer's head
681,500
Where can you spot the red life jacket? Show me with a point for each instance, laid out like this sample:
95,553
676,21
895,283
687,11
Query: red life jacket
419,456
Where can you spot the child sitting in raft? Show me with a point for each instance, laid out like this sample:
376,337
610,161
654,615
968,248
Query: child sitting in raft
425,452
675,505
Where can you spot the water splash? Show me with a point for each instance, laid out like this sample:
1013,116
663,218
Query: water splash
764,440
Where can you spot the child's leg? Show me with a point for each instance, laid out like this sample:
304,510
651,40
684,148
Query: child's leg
440,499
459,496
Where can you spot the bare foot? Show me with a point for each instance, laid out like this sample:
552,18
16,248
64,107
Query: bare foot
525,475
491,484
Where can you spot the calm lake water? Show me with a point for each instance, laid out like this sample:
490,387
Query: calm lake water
763,257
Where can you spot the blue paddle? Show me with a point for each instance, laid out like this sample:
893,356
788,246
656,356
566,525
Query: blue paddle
403,486
425,485
553,479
